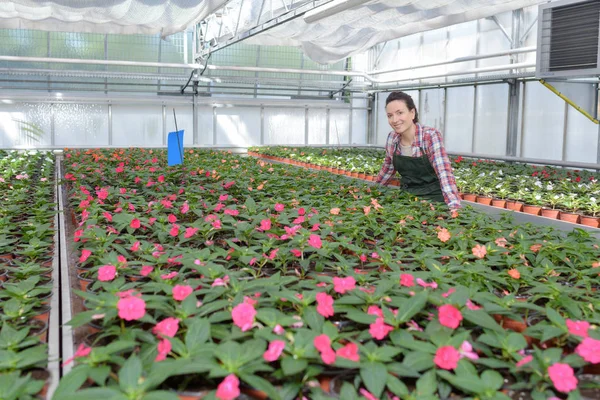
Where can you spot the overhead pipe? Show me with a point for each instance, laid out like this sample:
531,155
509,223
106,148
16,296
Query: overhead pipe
331,8
100,62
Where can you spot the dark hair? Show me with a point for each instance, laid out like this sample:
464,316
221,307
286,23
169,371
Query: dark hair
406,99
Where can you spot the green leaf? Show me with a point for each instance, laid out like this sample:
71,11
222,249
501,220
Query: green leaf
160,395
549,332
72,381
396,386
418,361
515,342
427,384
291,365
130,374
361,317
492,379
556,318
374,376
198,332
313,319
348,392
481,319
100,393
261,384
415,304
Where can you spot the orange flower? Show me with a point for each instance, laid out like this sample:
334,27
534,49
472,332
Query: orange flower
535,247
334,211
514,273
367,210
479,251
444,235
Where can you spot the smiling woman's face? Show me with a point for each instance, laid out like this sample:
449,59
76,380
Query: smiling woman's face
399,116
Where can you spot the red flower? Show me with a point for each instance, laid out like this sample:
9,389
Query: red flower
180,292
472,306
325,304
107,273
449,316
589,350
189,232
301,211
524,360
229,388
185,208
349,351
135,246
174,231
108,216
296,252
243,316
343,285
407,280
323,344
172,218
85,254
562,377
578,328
274,351
444,235
379,329
446,357
131,308
164,348
265,225
135,223
314,241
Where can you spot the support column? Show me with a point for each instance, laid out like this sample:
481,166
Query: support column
512,130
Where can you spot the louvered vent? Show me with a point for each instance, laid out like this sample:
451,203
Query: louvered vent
568,37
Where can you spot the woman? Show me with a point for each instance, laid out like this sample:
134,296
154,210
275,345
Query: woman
417,153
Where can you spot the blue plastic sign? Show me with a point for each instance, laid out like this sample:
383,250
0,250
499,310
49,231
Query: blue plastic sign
175,148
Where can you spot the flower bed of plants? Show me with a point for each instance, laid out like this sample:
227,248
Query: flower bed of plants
567,190
26,254
234,278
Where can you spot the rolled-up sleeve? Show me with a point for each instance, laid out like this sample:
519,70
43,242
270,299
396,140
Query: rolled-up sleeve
387,169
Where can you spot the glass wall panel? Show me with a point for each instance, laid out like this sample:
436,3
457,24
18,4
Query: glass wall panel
491,122
185,121
238,126
459,119
339,122
80,124
317,126
205,125
137,125
284,125
25,124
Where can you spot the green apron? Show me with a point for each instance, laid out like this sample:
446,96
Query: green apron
418,176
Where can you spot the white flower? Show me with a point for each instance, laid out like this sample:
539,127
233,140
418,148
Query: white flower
549,187
538,184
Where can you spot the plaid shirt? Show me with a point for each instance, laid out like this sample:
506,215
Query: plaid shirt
430,139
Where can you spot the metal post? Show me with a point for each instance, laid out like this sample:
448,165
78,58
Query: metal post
444,118
185,46
564,141
164,121
214,126
523,119
262,125
512,128
159,60
106,66
52,126
110,125
327,124
306,125
237,25
474,137
48,51
477,45
350,123
196,140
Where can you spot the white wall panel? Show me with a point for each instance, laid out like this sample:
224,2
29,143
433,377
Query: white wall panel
14,119
134,125
434,49
359,122
339,122
238,126
409,53
317,126
582,137
491,119
185,121
284,125
431,108
205,125
491,39
543,123
459,119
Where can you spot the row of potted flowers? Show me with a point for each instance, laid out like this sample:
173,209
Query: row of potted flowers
231,277
574,194
26,250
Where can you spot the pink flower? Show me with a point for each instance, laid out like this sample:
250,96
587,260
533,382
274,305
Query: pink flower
232,212
479,251
328,356
107,273
216,224
180,292
243,316
343,285
432,285
146,270
296,252
322,342
85,254
189,232
501,242
472,306
172,218
221,282
185,208
349,351
278,330
325,304
466,350
363,257
229,388
524,360
135,247
82,351
279,207
108,216
314,241
265,225
164,348
131,308
589,350
223,197
562,377
301,211
449,292
170,275
374,310
446,357
274,351
449,316
174,230
407,280
578,328
443,235
379,329
298,220
166,327
367,395
135,223
102,193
